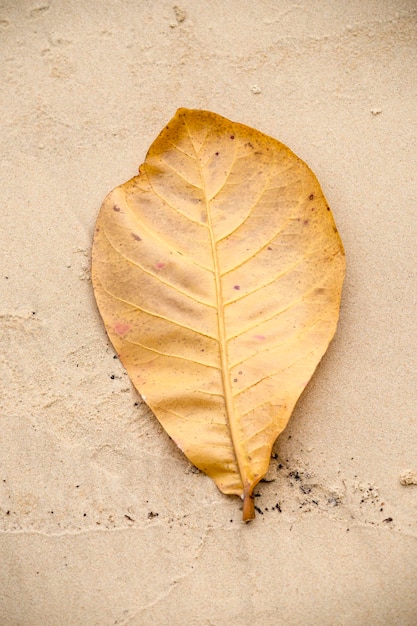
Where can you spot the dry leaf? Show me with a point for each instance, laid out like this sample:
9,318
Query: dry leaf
218,273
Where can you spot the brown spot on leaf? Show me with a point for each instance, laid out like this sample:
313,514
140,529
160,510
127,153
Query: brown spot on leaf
311,196
136,237
116,208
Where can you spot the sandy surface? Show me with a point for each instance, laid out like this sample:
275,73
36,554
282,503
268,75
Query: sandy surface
102,520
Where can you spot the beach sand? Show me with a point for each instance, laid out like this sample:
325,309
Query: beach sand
103,521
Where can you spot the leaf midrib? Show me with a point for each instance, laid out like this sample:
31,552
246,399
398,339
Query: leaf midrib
224,361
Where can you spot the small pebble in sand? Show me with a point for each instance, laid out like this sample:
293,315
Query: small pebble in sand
408,478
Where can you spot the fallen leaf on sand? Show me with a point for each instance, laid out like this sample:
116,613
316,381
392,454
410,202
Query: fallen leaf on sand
218,273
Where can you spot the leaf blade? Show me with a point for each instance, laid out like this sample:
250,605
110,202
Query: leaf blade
218,273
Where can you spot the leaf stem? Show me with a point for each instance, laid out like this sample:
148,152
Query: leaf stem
248,507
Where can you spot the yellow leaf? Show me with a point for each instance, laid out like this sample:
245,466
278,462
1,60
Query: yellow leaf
218,273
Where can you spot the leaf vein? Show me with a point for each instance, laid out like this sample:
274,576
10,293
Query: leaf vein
171,356
225,179
183,151
185,418
209,393
249,213
157,277
152,314
271,374
270,240
176,209
227,395
277,314
163,241
255,408
276,277
280,344
173,169
270,282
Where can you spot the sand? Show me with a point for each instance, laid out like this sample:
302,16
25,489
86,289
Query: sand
102,519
